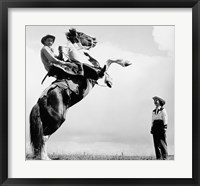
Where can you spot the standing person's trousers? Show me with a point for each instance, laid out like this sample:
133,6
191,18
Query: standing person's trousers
160,146
159,138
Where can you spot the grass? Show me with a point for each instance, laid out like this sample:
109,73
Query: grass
97,157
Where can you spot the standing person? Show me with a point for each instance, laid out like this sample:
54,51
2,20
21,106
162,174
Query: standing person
159,127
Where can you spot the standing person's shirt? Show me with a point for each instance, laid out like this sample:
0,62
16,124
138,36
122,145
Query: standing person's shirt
160,114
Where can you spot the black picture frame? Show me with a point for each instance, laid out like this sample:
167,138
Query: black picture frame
6,4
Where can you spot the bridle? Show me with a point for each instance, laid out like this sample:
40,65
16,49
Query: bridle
91,42
82,40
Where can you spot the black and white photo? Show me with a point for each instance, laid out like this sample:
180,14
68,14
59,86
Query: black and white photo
128,65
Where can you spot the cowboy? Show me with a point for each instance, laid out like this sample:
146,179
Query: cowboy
63,68
159,128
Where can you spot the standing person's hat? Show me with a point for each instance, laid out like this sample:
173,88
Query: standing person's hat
47,36
162,101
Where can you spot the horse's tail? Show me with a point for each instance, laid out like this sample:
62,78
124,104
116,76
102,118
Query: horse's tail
36,130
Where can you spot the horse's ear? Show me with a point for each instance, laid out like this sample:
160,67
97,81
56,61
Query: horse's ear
73,31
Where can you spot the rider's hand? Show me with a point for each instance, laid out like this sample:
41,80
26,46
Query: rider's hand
60,49
72,65
86,54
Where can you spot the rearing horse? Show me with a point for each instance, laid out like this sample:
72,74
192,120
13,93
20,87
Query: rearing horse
49,112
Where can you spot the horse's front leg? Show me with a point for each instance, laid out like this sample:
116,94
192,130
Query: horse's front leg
108,80
121,62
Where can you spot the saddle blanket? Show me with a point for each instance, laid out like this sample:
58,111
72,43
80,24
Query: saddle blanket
64,84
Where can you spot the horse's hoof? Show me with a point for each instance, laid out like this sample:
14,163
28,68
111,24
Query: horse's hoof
46,158
127,63
49,159
108,83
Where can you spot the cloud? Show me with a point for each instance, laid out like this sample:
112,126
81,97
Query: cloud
164,37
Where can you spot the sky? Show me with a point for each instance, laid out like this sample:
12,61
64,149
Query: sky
116,120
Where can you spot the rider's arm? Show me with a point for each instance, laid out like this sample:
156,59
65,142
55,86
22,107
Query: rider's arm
50,56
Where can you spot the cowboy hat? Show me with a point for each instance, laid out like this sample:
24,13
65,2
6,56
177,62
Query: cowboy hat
47,36
162,101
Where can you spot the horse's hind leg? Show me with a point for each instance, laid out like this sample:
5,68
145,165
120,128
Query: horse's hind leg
37,138
52,112
44,155
36,131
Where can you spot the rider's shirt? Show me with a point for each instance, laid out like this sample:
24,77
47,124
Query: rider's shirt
48,57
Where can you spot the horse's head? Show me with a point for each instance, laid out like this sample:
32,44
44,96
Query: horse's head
86,41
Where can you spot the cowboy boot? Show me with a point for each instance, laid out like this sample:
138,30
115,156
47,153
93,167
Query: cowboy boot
102,71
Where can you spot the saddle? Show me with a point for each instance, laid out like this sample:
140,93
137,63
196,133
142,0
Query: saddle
63,72
69,70
67,85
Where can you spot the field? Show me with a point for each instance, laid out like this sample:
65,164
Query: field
85,156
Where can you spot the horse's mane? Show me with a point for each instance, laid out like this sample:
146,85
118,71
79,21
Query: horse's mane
71,35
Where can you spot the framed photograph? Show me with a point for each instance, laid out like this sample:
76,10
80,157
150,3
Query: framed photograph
99,93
